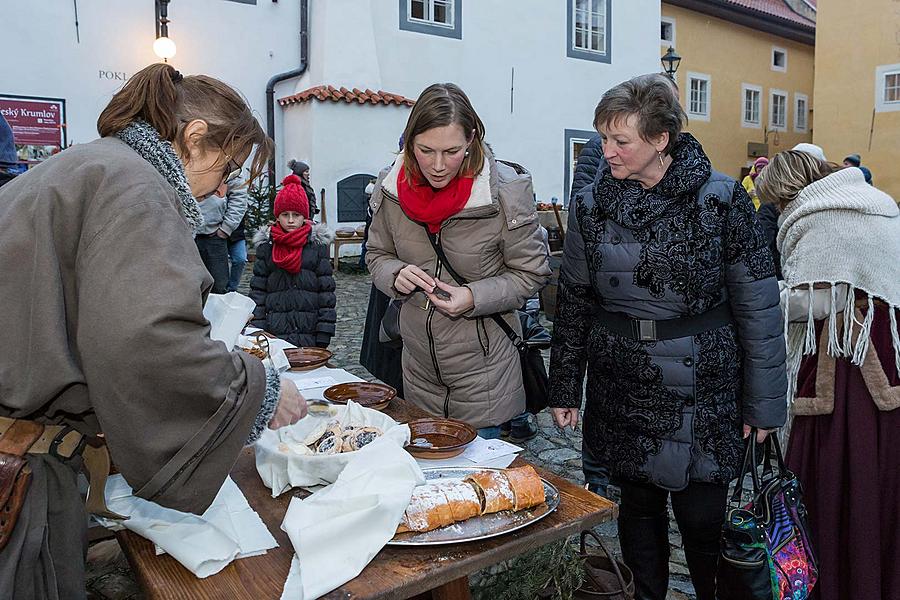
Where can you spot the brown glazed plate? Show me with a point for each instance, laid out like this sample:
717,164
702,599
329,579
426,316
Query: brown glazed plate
369,395
434,438
307,357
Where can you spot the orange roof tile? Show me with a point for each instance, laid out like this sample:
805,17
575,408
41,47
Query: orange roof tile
775,8
329,92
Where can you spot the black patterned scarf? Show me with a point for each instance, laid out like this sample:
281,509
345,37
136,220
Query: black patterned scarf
144,139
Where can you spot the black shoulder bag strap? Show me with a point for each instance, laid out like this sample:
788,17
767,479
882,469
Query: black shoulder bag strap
501,323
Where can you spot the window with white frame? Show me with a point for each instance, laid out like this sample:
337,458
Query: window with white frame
751,111
589,23
698,96
779,59
435,12
667,31
435,17
778,110
887,88
801,113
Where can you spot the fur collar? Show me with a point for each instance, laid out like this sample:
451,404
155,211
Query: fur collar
481,190
319,234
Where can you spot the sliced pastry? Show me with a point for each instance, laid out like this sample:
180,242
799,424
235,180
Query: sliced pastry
494,490
527,487
364,436
329,444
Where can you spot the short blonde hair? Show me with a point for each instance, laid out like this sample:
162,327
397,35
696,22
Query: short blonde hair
782,180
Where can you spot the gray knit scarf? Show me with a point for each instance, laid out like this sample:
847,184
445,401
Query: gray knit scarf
144,139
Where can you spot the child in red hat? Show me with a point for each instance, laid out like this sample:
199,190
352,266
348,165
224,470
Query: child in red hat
292,282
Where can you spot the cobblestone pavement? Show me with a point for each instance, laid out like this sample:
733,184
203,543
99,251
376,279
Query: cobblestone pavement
109,577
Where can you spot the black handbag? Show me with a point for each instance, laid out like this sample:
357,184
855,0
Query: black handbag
766,552
534,338
389,329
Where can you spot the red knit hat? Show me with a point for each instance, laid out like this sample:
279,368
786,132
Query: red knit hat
291,197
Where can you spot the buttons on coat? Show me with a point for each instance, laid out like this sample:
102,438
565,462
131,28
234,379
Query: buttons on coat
614,281
513,221
688,362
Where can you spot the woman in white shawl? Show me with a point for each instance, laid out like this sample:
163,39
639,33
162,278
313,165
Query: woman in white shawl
839,240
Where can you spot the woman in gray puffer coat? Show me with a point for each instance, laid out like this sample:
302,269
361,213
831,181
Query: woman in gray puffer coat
668,299
446,185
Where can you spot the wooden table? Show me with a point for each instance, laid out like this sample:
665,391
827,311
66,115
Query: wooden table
395,573
341,241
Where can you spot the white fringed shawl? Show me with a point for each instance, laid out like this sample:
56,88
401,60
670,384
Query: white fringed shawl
840,230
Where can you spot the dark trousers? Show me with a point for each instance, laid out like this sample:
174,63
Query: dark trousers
644,535
214,253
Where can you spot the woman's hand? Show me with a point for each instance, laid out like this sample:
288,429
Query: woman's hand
291,406
565,417
410,278
451,300
761,434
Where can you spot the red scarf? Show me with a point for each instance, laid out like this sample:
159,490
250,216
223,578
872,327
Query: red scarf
424,204
287,247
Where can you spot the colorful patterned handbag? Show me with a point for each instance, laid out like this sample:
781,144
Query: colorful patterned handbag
766,553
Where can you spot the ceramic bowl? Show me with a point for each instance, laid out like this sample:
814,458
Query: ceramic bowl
443,438
344,232
370,395
307,358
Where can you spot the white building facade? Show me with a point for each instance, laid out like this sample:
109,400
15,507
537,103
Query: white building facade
533,69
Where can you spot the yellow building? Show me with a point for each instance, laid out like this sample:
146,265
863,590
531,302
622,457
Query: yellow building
858,85
746,75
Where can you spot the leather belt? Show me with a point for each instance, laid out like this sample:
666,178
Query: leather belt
649,330
21,436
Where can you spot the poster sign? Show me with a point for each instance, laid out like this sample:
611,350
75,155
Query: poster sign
38,125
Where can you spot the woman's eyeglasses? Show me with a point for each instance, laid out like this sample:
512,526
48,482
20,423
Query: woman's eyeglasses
231,170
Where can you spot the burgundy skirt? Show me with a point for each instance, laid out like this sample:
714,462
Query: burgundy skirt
849,465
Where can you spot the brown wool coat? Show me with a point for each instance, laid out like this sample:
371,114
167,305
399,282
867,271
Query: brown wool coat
465,368
102,325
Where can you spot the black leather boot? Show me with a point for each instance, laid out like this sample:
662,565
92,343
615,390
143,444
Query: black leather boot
703,567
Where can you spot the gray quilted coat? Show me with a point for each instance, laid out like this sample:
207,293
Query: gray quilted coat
669,412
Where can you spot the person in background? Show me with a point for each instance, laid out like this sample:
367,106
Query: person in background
301,170
107,322
292,281
237,255
445,188
8,157
758,164
854,160
839,240
667,299
811,149
221,216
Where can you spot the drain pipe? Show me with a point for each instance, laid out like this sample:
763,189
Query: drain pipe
270,86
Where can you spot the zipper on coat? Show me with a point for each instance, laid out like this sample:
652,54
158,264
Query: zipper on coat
486,341
431,345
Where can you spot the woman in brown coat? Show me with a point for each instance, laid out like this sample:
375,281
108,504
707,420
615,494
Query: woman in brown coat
102,323
446,184
839,239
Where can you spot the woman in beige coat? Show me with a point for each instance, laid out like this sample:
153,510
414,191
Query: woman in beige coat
445,183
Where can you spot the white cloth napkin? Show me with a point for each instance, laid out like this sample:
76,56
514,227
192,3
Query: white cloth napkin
338,530
227,314
276,350
281,469
205,544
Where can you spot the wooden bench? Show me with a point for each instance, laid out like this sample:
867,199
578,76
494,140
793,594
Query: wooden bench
436,572
342,241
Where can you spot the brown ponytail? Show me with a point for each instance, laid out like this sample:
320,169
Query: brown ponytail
159,95
150,95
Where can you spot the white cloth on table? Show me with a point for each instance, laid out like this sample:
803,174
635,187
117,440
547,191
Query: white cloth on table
338,530
204,544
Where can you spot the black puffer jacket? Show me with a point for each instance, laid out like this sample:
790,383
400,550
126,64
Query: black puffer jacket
297,307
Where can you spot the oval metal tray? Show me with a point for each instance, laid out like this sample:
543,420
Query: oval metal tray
477,528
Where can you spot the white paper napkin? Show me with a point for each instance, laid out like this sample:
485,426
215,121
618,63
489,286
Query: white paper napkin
227,314
337,531
277,347
282,469
312,383
205,544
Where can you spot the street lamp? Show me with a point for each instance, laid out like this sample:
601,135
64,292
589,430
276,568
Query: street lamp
163,46
670,61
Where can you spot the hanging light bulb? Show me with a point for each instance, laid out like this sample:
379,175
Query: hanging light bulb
164,48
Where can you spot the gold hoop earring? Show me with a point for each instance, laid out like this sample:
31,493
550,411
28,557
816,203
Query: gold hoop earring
659,155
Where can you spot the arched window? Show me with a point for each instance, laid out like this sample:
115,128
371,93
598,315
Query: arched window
351,197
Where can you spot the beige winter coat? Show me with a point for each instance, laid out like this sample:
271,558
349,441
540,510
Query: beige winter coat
464,368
